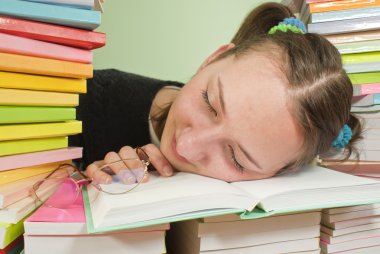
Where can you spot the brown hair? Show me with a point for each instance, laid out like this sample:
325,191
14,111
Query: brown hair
319,89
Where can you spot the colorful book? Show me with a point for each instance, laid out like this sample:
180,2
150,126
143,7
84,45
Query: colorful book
358,46
317,187
84,4
344,14
43,83
361,57
32,145
36,158
21,173
37,98
364,78
39,130
10,232
364,89
24,46
342,5
366,100
342,26
362,67
43,66
354,36
30,114
52,33
54,14
16,246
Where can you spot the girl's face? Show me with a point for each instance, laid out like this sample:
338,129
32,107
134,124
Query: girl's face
231,121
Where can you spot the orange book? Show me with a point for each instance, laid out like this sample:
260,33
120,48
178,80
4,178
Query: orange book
342,5
43,66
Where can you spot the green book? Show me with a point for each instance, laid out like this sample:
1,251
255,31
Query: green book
187,196
22,114
32,145
364,78
361,57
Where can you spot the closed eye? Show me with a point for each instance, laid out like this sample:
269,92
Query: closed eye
207,101
237,165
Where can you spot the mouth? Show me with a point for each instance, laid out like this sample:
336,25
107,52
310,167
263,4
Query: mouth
176,154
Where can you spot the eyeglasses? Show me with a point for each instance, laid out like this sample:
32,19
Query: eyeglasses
68,180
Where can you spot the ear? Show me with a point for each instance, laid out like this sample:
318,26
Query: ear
214,55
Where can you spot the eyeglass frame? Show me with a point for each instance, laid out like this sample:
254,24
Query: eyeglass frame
87,180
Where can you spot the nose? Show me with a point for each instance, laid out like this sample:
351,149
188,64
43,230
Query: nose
195,144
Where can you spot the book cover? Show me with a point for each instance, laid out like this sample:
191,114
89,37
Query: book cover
10,232
55,14
44,66
366,100
42,157
18,97
84,4
30,114
362,67
31,145
24,46
42,83
52,33
342,5
345,14
364,57
342,26
213,197
358,46
364,78
39,130
353,36
21,173
364,89
14,247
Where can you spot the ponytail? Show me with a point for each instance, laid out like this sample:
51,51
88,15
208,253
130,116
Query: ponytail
260,20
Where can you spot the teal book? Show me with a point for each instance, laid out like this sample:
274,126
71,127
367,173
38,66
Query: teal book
49,13
23,114
187,196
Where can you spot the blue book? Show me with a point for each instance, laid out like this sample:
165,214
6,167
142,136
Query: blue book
50,13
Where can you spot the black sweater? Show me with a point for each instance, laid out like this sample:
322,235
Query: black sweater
115,112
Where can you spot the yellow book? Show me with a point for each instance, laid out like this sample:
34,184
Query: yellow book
37,98
44,66
43,83
32,145
373,56
9,176
39,130
9,232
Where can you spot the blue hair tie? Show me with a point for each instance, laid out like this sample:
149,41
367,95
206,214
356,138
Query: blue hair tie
294,22
343,137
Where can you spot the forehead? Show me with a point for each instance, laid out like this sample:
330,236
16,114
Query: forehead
257,109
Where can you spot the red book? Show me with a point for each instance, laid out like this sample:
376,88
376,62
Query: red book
73,37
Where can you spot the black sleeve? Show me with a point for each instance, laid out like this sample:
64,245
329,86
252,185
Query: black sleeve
114,112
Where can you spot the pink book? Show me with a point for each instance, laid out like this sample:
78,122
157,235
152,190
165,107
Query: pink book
365,89
32,159
25,46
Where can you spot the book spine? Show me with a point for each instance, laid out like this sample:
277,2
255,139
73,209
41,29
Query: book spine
345,14
364,57
32,145
50,67
37,98
25,46
342,5
52,33
39,130
44,83
365,89
364,78
83,4
55,14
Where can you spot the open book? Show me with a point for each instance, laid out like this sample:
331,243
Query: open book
188,196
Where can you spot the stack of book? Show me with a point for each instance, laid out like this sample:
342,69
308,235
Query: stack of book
353,26
45,59
65,231
354,229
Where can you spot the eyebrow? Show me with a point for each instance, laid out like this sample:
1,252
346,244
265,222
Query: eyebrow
222,104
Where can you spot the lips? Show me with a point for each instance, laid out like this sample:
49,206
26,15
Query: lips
174,148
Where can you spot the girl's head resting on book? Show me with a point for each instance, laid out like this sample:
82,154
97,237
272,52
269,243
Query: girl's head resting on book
260,105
